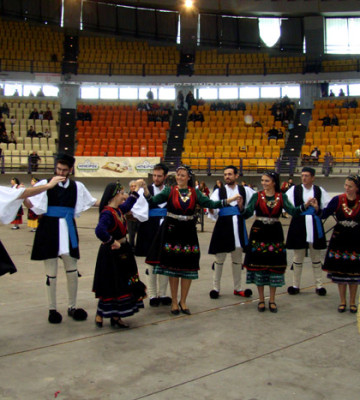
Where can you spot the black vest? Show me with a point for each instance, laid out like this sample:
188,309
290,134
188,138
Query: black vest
223,194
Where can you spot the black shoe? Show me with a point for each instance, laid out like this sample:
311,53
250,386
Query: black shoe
214,294
342,308
184,310
261,309
273,308
293,290
321,291
154,302
353,308
165,301
116,323
175,312
243,293
78,314
99,323
54,317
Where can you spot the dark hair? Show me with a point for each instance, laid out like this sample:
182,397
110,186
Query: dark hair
190,173
355,179
111,190
65,159
16,180
233,168
163,167
275,177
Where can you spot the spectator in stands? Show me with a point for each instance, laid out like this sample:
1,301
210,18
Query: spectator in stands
4,137
12,138
16,93
189,99
41,115
326,120
315,154
331,93
47,133
180,100
328,163
1,91
12,121
334,120
279,115
40,93
5,110
288,114
34,161
287,185
34,114
273,133
150,95
341,93
31,94
2,125
353,103
31,132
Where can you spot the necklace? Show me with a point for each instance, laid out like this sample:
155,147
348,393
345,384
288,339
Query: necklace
347,210
270,203
186,197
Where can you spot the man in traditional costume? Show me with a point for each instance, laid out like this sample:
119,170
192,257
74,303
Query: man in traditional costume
156,284
306,231
10,201
229,235
56,235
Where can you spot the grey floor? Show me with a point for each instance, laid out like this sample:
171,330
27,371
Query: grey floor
224,350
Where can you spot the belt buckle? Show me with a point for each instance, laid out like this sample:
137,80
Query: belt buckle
182,217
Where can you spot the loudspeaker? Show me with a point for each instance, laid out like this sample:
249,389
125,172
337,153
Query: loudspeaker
67,131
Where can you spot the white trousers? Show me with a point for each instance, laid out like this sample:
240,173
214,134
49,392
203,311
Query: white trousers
315,256
236,258
51,267
156,284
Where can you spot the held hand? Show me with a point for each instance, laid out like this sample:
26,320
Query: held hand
234,198
240,203
116,245
55,180
139,184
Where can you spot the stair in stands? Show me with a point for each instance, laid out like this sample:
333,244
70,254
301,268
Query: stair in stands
292,150
176,139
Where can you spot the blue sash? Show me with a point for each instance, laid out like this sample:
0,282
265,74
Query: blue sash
67,213
311,211
234,210
157,212
226,211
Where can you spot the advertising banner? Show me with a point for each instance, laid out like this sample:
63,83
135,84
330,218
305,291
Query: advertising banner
117,167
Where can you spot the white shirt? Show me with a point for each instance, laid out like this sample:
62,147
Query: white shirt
9,203
307,194
140,209
230,193
84,201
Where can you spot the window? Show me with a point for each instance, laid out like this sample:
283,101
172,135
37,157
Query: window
228,93
342,36
143,91
270,92
129,93
50,90
291,91
269,29
249,92
336,89
167,93
110,93
89,92
31,89
354,89
10,89
208,93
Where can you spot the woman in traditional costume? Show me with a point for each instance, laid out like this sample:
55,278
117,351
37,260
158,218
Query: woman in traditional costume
10,201
15,184
32,218
116,281
342,260
265,258
175,251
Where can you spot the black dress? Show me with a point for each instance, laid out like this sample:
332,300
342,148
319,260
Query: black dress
116,281
342,260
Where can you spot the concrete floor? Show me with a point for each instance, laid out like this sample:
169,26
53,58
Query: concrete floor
225,349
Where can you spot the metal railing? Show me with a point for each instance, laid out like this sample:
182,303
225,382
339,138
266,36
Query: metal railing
22,163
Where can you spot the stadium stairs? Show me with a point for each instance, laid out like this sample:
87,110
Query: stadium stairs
292,150
176,139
